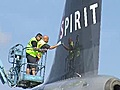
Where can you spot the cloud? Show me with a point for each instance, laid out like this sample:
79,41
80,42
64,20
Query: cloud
4,38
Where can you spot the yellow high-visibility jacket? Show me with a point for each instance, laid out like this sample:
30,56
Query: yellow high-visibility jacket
30,50
40,44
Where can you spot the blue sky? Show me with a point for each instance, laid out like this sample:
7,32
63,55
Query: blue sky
22,19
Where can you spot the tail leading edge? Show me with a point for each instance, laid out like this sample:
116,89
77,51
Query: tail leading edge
79,34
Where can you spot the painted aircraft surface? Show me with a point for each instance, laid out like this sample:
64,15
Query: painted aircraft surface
76,61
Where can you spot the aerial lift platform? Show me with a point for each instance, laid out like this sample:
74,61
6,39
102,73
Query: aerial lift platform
16,76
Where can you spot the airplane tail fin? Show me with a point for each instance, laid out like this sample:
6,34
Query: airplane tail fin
79,33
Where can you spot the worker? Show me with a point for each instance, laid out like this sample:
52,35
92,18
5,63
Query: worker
43,45
31,53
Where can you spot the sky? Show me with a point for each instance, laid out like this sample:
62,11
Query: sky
22,19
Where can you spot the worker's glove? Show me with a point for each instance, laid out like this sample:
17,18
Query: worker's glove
62,44
59,43
38,56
